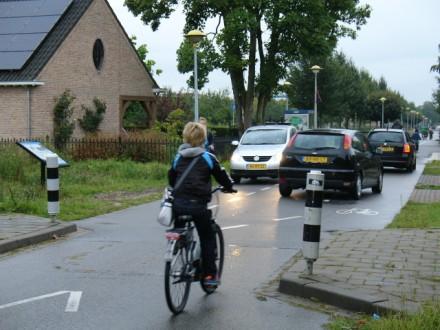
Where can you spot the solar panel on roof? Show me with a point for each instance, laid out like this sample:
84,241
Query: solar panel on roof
23,26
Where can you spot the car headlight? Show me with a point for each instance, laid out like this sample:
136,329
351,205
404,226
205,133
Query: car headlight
279,156
235,157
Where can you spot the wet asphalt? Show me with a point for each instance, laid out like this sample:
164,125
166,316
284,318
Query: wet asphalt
116,262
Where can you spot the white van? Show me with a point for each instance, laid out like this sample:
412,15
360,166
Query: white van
259,151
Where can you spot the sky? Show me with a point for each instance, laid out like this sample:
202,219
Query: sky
399,42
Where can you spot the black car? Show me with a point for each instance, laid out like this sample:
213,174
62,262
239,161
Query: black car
398,149
344,156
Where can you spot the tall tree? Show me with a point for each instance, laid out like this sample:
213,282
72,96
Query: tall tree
436,94
142,51
256,41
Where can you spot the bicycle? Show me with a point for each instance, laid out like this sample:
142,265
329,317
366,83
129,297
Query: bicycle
183,262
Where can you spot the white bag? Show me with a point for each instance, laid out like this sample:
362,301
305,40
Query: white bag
165,216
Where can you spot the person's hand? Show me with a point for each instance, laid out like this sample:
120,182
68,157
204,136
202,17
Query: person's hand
230,190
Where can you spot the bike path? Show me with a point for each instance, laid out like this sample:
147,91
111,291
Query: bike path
381,271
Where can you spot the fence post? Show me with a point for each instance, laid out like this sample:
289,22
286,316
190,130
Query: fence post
53,186
312,218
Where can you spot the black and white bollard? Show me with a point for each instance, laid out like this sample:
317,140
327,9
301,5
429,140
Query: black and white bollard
53,186
312,218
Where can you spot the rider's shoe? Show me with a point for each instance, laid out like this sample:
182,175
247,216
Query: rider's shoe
210,281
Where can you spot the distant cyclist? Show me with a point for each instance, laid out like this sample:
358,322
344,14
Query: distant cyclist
416,138
195,192
209,142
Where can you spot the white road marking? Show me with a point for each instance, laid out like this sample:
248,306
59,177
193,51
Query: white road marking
73,302
251,193
233,227
265,188
211,207
288,218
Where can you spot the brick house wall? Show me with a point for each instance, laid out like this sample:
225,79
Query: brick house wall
72,67
14,112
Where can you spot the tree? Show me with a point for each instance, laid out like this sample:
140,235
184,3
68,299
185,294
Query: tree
142,51
256,41
436,94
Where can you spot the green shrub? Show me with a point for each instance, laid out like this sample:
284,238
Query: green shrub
63,126
92,118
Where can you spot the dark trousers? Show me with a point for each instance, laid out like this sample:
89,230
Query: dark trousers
202,220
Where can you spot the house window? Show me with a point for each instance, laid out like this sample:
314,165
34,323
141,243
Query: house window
98,54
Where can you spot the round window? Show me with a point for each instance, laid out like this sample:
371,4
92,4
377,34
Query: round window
98,53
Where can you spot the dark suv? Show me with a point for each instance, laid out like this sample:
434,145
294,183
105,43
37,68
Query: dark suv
344,156
398,149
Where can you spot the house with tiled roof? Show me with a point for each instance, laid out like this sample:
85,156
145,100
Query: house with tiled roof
49,46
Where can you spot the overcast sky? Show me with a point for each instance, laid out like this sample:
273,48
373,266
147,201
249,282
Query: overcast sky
399,42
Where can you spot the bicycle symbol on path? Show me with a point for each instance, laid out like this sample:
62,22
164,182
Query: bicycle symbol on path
357,211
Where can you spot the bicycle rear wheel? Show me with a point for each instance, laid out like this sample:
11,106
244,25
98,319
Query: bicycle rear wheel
177,281
219,258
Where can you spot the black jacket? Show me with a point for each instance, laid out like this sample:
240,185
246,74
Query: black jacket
197,184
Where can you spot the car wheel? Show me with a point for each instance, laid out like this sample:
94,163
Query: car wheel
285,190
356,191
377,189
236,178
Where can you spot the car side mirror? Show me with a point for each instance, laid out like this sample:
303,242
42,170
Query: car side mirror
235,143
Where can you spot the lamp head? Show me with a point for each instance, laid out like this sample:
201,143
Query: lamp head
195,36
315,68
382,99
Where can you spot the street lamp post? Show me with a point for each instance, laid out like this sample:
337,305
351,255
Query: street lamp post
286,86
194,37
407,117
315,69
382,99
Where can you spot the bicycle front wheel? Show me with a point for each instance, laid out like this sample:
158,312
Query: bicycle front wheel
219,257
177,282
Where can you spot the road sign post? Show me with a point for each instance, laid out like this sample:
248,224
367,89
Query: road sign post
53,187
312,218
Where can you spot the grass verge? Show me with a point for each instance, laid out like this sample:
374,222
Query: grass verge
432,168
87,188
427,319
417,215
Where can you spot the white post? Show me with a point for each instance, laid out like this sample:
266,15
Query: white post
312,217
196,87
315,119
53,187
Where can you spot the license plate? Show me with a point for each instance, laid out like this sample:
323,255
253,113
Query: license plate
256,166
387,149
315,159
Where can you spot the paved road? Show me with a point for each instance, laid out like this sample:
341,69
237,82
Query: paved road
114,265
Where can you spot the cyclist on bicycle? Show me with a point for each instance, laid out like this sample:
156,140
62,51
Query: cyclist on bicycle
195,192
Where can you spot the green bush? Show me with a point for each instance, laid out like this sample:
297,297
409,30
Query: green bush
63,126
92,118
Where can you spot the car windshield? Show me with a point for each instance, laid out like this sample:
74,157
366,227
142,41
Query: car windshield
264,136
319,141
386,137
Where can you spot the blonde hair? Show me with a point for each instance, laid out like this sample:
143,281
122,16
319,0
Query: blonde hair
194,134
203,121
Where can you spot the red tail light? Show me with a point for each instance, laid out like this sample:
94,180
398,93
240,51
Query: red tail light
347,142
292,140
406,148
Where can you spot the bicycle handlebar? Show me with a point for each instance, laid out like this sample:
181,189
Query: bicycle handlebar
222,189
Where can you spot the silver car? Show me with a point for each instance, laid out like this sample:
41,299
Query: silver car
258,154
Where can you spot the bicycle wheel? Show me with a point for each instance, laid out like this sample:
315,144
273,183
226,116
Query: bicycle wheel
177,281
219,258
